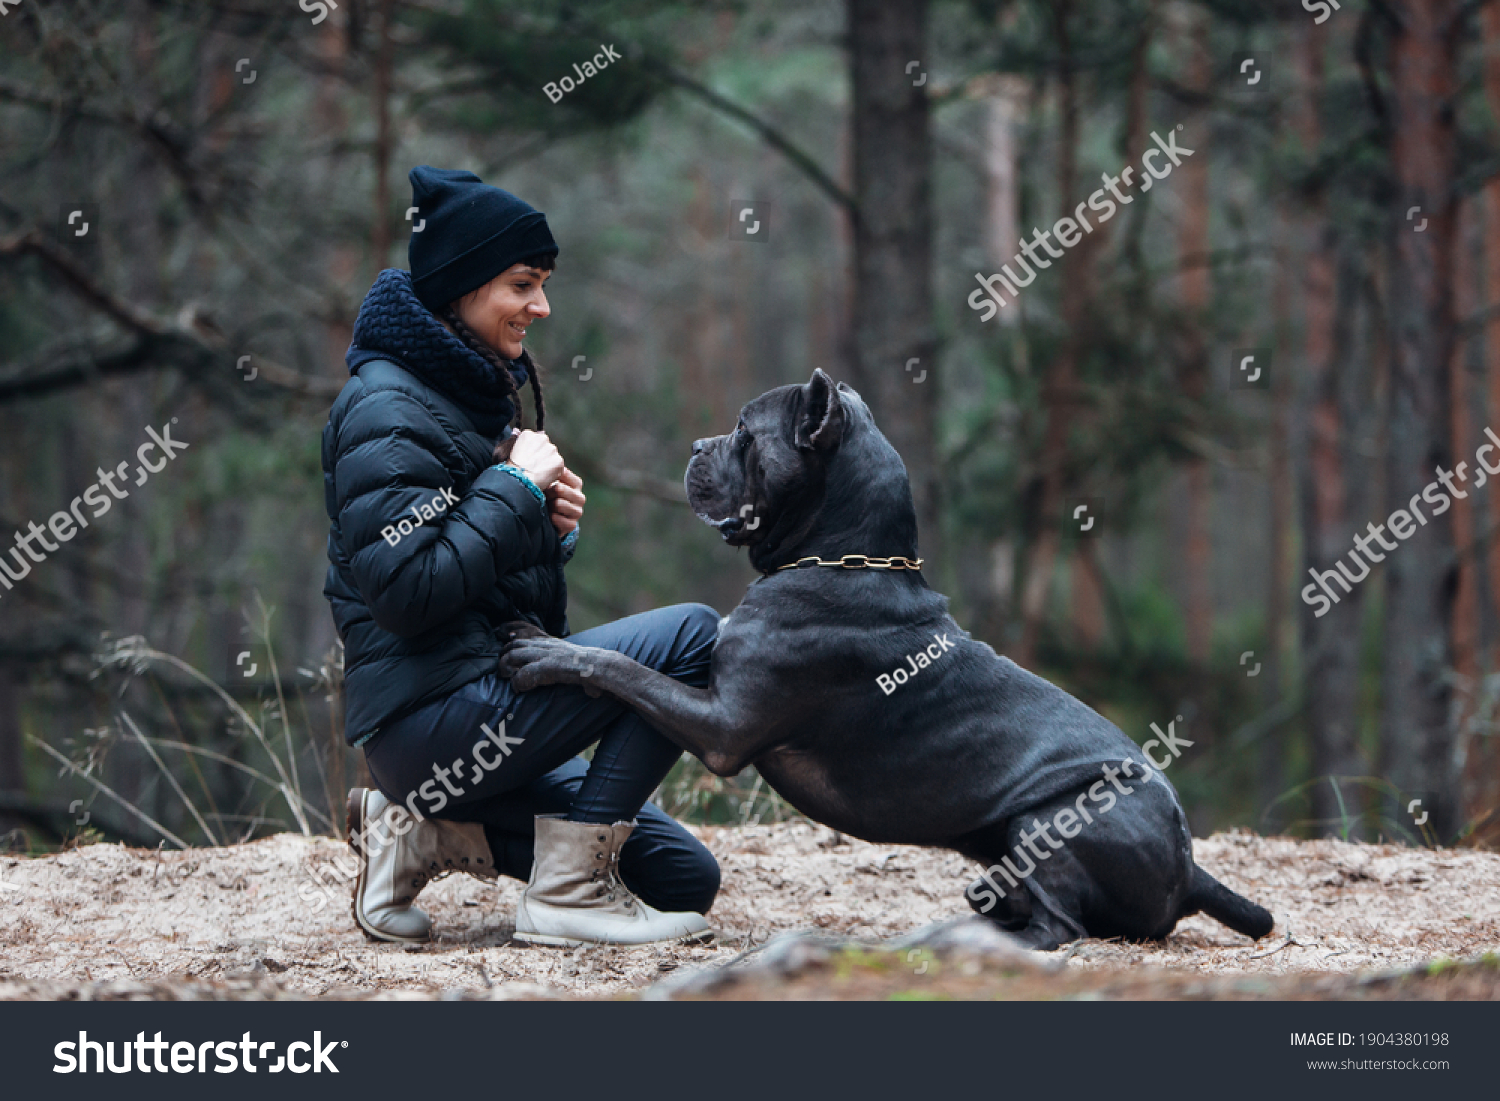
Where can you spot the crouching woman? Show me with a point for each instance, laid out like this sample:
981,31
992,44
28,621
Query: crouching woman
438,554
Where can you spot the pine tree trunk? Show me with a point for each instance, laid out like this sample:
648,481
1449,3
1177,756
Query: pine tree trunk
987,591
1059,390
1330,642
1272,770
1193,261
1465,626
893,245
380,238
1420,575
1482,779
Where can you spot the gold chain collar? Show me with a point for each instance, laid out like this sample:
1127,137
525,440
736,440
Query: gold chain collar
864,562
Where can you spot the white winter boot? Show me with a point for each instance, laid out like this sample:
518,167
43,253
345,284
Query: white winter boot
394,866
575,895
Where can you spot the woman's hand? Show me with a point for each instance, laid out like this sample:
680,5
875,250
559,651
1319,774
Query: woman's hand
565,502
535,454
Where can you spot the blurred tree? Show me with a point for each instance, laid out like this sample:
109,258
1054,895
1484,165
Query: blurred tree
894,336
1421,577
1330,641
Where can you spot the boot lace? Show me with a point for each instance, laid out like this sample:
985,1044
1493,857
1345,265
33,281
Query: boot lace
608,876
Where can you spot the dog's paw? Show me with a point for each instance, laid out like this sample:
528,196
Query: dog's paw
519,628
539,661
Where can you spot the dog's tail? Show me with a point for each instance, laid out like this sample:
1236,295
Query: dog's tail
1211,897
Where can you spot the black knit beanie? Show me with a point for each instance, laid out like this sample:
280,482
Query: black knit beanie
472,233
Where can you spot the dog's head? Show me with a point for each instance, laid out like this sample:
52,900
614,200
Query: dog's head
805,471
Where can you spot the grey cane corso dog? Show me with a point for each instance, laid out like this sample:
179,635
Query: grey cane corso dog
869,709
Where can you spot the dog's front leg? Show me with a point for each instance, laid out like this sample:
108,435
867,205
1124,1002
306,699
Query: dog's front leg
724,733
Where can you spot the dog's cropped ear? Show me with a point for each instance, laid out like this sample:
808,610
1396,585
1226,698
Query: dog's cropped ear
820,424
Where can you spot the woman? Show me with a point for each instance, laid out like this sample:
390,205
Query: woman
438,554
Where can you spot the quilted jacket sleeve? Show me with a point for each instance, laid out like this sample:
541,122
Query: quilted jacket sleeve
387,461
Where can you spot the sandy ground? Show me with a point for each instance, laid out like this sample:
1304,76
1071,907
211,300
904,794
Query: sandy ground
106,921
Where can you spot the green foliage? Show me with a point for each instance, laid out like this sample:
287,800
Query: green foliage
508,51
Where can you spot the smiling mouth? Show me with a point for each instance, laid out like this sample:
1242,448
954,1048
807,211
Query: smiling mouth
515,329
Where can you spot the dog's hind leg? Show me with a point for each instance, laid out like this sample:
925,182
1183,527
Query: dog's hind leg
1039,892
996,894
1030,912
1011,910
1039,900
1050,926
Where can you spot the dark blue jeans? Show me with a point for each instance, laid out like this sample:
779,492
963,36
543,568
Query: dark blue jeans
492,755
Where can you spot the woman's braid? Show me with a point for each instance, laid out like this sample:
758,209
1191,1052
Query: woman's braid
480,347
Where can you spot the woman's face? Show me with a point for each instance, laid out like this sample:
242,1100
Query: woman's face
501,310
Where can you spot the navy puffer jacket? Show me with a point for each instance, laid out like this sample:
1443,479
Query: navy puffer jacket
414,427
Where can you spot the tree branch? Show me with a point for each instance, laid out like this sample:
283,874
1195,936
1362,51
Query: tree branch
72,273
191,344
158,130
670,74
768,134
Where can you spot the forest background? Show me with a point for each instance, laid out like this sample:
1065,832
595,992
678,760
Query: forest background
172,671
